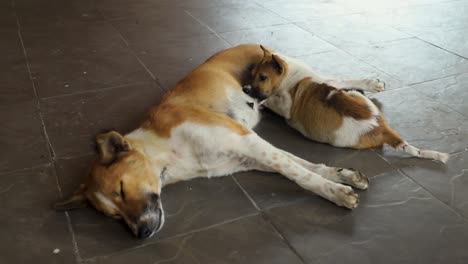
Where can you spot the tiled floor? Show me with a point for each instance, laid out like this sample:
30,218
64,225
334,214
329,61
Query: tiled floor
71,68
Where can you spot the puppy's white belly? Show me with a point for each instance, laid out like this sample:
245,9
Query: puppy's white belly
351,130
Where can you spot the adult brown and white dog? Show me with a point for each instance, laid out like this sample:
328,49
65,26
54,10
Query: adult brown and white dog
322,110
201,128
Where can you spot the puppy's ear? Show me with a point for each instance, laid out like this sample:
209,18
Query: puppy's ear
77,200
110,146
278,63
266,52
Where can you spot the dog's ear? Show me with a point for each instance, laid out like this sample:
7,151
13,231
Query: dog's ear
278,63
266,52
77,200
110,146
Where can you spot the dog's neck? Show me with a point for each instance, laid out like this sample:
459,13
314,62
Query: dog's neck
156,149
296,72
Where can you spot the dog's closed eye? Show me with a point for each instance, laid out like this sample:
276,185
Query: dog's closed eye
122,193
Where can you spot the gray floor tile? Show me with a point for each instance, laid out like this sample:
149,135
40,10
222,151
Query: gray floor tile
232,17
411,60
250,240
454,40
287,39
341,65
21,137
352,30
450,91
73,121
300,10
76,59
30,230
449,184
171,59
425,18
396,222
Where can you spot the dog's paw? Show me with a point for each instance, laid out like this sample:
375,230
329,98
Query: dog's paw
354,178
344,196
376,85
347,197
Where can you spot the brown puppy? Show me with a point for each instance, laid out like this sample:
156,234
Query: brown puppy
324,113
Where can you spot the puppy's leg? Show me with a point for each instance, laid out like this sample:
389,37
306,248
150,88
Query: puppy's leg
341,175
365,84
267,155
423,153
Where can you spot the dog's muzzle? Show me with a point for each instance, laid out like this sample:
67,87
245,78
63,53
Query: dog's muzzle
152,219
150,223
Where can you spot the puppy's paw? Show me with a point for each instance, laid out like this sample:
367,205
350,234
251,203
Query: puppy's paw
376,85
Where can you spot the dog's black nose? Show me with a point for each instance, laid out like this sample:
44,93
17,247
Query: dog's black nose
144,231
246,89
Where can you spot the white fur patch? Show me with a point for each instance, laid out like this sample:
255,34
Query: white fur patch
239,109
331,94
425,154
104,200
351,129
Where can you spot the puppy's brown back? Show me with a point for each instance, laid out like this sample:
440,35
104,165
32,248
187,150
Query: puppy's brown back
320,109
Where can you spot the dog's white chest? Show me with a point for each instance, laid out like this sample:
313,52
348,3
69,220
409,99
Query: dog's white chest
196,153
243,108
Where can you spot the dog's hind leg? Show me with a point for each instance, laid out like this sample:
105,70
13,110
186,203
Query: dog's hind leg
254,147
347,176
365,84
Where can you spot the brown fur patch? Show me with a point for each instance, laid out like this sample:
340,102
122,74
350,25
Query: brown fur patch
380,135
165,117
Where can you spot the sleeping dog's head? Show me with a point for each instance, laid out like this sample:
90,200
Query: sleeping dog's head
122,184
267,75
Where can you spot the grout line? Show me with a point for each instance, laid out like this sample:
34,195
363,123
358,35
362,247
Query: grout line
439,47
153,77
259,27
208,27
67,216
246,193
44,129
282,237
25,169
38,105
93,90
156,80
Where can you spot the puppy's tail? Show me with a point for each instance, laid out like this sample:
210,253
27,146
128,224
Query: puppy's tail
393,139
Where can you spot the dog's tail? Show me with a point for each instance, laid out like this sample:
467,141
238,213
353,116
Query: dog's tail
393,139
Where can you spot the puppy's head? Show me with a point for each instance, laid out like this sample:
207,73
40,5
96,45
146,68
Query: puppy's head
122,184
267,75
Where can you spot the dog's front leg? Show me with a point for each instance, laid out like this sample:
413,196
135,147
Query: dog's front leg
254,147
372,85
347,176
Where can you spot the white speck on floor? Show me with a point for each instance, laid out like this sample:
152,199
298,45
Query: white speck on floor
56,251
